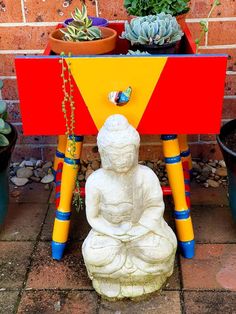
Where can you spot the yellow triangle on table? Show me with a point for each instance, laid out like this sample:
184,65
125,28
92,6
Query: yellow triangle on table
97,76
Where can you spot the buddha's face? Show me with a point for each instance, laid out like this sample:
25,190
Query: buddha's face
119,159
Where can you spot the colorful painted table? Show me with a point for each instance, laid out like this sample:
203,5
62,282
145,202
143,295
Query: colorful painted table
172,94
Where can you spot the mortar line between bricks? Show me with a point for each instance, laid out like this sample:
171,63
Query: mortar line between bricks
30,263
181,297
23,10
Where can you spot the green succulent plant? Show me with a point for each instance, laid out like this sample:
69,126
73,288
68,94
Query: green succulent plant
4,126
81,28
152,30
151,7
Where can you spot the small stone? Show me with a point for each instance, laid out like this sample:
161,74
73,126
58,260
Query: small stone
22,164
217,178
47,187
222,172
202,178
48,178
213,183
29,163
88,172
212,164
149,165
47,165
24,173
39,163
206,185
35,179
39,173
15,164
81,177
57,306
15,193
95,164
197,168
83,169
19,181
222,163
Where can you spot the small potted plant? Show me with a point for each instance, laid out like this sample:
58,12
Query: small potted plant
156,34
8,136
81,38
177,8
96,21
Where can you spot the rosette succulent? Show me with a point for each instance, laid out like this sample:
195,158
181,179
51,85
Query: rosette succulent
4,126
152,30
147,7
81,28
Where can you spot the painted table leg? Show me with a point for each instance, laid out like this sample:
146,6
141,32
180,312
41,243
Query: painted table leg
63,213
183,220
60,152
187,164
184,150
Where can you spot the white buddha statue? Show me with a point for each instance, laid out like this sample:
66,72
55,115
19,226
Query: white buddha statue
130,250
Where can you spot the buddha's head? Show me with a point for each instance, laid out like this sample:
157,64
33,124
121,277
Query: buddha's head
118,144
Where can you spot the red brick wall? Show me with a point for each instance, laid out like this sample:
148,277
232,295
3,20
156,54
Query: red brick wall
24,28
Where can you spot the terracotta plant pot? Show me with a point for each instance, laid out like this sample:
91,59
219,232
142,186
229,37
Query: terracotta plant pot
93,47
181,20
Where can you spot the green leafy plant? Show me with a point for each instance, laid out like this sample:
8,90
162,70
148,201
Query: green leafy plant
152,29
204,24
81,28
151,7
5,128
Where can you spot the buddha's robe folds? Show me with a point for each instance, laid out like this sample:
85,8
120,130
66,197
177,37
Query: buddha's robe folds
129,234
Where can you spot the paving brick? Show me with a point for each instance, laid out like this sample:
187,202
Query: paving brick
30,193
57,10
221,33
10,11
209,302
23,221
173,282
229,109
112,10
201,8
213,224
14,261
69,273
161,303
208,196
213,267
79,228
24,37
49,302
10,90
8,300
230,84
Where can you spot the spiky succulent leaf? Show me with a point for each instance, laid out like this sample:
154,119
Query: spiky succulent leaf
3,141
6,129
3,106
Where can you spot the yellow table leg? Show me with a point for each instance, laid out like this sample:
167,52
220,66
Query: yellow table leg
60,152
184,150
63,213
183,220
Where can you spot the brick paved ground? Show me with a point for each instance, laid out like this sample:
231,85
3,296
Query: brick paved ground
31,282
